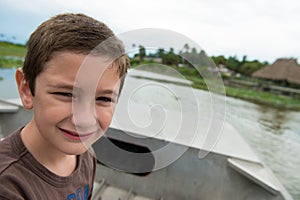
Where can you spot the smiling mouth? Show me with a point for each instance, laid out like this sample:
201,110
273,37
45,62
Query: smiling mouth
75,135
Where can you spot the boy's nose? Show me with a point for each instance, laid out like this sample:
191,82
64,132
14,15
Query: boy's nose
84,119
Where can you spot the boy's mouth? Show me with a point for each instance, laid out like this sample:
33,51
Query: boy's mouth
75,135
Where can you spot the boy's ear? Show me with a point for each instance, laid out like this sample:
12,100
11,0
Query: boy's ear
24,90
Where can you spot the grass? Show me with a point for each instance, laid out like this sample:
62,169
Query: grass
259,97
12,50
264,98
7,62
11,55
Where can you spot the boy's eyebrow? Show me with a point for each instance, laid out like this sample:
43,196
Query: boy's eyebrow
63,86
109,92
66,86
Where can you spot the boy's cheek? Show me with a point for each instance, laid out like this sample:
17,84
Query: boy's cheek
105,117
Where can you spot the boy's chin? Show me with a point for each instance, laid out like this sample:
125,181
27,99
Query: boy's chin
79,150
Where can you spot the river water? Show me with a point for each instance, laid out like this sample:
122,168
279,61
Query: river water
274,134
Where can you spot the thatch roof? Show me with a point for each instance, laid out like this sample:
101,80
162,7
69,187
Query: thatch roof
281,70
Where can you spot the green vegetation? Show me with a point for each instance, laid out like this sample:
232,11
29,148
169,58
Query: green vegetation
264,98
11,55
12,50
183,61
7,62
190,56
244,66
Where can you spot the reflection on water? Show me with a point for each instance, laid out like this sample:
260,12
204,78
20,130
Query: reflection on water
272,120
274,135
281,139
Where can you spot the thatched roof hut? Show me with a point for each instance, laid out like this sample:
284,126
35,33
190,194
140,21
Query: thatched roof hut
281,70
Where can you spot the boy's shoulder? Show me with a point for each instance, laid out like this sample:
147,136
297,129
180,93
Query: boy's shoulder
13,153
11,149
9,156
22,176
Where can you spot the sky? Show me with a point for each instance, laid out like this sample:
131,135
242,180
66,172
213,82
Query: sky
260,29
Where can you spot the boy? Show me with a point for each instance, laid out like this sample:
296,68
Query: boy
72,84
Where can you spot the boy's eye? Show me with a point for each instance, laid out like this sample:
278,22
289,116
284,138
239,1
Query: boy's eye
104,99
65,94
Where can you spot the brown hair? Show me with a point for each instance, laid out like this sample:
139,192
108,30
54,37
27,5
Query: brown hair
71,32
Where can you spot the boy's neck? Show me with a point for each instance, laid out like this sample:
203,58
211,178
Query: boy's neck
57,162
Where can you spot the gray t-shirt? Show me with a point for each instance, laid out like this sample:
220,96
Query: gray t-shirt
23,177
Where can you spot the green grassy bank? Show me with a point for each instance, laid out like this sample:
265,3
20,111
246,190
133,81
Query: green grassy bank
11,55
254,96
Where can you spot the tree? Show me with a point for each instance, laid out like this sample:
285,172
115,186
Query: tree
194,50
142,53
233,63
249,67
186,47
244,59
219,60
161,52
171,58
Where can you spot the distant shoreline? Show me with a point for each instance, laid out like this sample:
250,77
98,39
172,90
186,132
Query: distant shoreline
257,97
12,55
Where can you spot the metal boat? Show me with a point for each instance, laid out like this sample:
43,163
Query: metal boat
129,166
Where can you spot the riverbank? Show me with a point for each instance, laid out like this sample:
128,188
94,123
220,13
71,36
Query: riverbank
264,98
258,97
11,55
251,95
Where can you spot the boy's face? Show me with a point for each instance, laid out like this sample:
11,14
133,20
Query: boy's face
69,119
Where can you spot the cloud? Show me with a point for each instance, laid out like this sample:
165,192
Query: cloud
263,30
